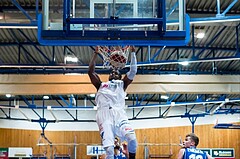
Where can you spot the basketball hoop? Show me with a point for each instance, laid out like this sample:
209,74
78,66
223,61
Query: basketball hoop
114,56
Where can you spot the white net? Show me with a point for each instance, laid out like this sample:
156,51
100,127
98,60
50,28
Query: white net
114,57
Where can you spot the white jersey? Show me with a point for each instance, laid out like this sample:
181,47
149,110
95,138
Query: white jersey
111,116
111,94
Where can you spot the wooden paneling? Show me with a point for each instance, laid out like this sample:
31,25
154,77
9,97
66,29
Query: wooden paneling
139,79
142,84
159,140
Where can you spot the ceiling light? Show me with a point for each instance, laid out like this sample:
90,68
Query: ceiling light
8,95
183,60
200,35
92,95
45,97
164,97
184,63
70,58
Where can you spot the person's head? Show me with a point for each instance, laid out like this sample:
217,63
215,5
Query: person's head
191,140
115,75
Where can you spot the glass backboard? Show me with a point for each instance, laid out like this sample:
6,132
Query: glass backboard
143,22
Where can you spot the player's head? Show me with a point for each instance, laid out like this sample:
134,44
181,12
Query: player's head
191,140
115,75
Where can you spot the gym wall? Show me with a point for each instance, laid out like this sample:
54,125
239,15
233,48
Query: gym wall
160,141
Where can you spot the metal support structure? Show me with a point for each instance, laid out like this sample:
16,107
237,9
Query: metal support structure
218,8
157,53
66,16
31,42
43,125
23,48
238,40
37,8
21,9
172,9
210,42
138,105
192,120
219,14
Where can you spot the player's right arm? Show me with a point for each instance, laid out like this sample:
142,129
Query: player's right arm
91,71
181,153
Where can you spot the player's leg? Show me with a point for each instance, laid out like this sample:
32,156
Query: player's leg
129,134
107,135
107,139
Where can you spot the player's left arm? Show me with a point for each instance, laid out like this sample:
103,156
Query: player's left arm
128,78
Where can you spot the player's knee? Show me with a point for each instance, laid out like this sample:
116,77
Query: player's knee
132,146
109,152
130,136
132,143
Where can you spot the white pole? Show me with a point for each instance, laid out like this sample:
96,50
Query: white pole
218,8
153,8
91,9
149,53
85,102
135,9
45,14
74,7
181,14
114,8
75,147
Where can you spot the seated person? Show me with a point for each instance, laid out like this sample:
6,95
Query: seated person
120,152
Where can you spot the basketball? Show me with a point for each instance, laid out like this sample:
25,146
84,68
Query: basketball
114,57
117,59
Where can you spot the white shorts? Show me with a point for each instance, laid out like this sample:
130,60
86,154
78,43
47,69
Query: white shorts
112,122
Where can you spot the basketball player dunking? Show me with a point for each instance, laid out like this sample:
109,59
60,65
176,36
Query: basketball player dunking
110,98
